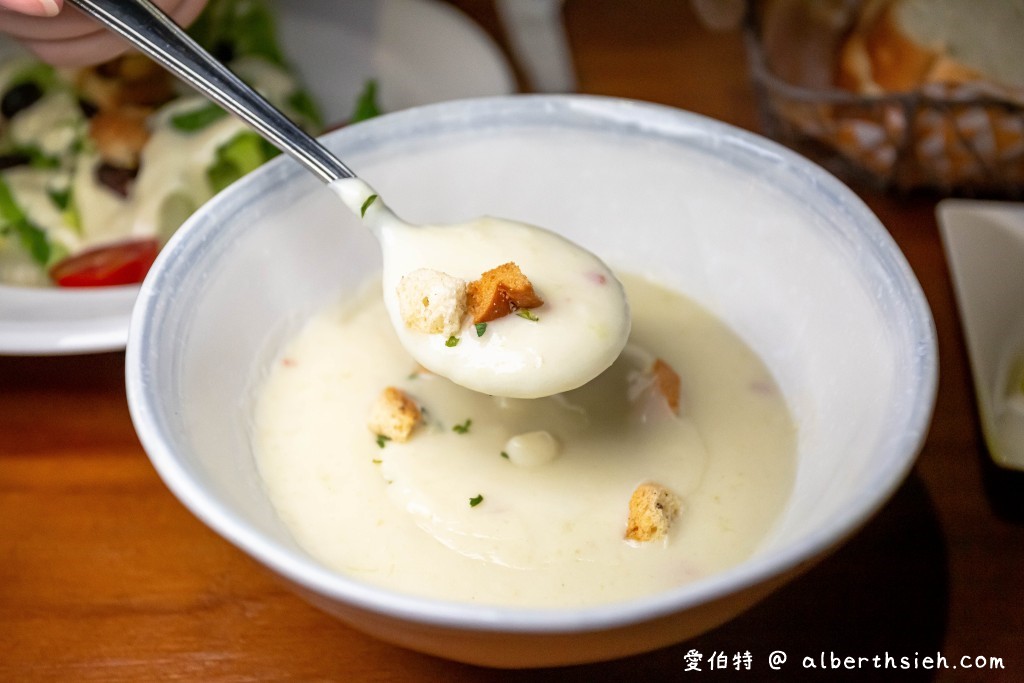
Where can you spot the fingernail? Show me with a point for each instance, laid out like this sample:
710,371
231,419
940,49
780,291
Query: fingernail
50,8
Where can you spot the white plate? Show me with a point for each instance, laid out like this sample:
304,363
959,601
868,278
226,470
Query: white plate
419,51
984,244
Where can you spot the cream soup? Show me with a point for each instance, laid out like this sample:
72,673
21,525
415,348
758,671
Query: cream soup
576,334
524,501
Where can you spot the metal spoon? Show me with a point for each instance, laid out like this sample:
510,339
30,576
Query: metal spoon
150,30
575,344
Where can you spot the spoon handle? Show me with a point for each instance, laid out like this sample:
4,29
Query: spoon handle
149,29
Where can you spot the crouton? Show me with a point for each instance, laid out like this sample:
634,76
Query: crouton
652,510
666,380
432,302
394,415
129,80
499,292
120,135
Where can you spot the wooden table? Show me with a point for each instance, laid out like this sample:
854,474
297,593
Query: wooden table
105,576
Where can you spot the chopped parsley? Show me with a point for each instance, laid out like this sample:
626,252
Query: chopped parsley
476,500
366,205
527,313
504,455
480,329
452,341
382,440
462,428
377,461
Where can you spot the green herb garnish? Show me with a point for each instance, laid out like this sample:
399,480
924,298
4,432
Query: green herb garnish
377,461
480,329
504,455
452,341
462,428
527,313
366,205
476,500
382,440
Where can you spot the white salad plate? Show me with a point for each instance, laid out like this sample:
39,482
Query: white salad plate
984,242
418,51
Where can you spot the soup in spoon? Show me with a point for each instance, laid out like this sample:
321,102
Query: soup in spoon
494,305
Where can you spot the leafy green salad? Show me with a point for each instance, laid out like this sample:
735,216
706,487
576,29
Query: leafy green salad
99,166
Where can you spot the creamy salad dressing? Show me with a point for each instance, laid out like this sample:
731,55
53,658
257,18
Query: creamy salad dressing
172,171
91,158
578,332
171,185
54,126
446,515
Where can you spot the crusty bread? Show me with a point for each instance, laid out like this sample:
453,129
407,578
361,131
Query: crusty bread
394,415
901,45
120,134
499,292
652,510
131,79
432,302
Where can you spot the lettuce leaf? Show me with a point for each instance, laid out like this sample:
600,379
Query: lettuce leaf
230,29
243,153
14,220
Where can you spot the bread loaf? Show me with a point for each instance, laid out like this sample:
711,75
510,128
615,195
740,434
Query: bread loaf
936,89
902,45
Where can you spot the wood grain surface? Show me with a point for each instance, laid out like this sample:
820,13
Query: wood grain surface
105,576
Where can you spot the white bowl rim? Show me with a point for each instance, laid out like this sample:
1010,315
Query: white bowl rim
307,573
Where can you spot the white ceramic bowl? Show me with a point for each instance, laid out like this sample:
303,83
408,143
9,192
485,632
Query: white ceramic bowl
779,249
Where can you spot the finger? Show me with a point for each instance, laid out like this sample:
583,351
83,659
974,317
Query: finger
80,41
73,24
83,51
70,24
36,8
186,11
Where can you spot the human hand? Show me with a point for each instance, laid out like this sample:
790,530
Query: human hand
65,37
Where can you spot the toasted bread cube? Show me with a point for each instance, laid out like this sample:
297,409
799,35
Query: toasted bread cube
652,510
668,383
120,135
129,80
501,291
394,415
432,302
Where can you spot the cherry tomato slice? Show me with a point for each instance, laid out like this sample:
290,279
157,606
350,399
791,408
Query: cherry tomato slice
123,263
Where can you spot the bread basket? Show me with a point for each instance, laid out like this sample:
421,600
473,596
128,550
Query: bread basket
961,138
